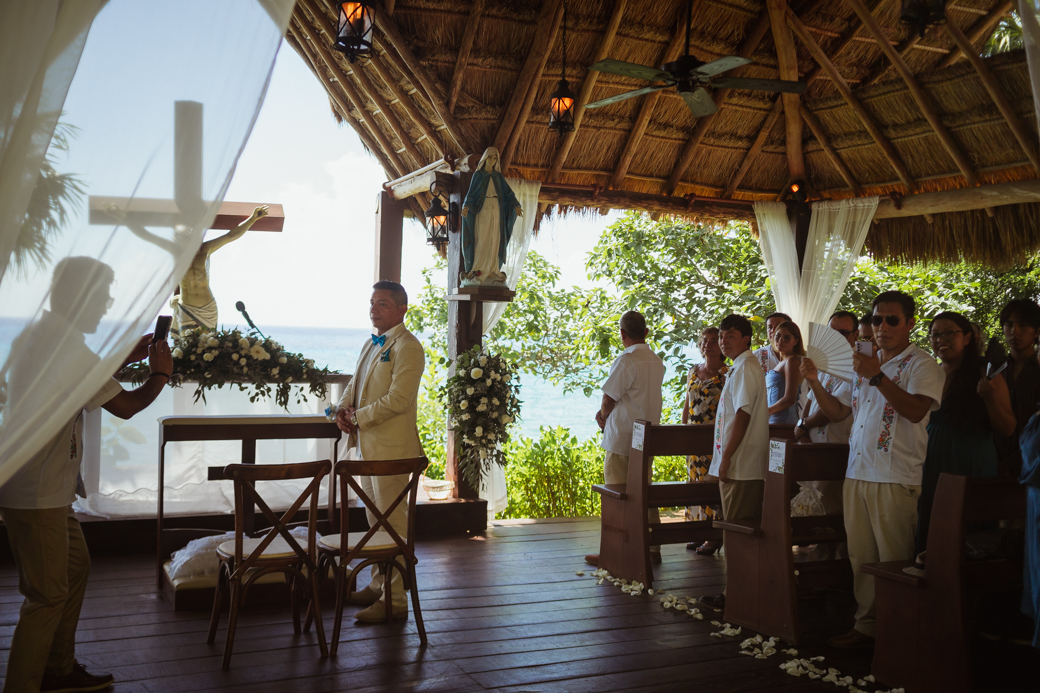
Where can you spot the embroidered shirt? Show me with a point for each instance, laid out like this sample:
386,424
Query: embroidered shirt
885,447
634,384
831,432
745,389
767,358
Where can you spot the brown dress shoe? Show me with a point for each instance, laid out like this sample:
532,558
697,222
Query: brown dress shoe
853,640
592,559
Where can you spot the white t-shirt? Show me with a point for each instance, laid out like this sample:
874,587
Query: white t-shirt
767,358
635,384
745,389
831,432
884,446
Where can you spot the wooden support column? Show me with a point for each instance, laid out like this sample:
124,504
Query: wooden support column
389,230
470,33
825,141
801,214
787,58
756,147
978,32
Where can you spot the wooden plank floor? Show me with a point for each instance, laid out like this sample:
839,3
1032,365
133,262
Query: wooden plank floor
504,611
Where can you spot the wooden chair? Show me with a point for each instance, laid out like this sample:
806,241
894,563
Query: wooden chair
762,577
922,622
249,557
381,545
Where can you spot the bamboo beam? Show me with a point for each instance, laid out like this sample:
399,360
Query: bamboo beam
535,54
1018,129
646,109
960,200
754,37
396,40
825,141
788,59
468,35
417,117
585,93
982,29
756,147
644,202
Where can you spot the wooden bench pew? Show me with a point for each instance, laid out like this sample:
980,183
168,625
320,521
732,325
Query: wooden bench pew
922,622
762,577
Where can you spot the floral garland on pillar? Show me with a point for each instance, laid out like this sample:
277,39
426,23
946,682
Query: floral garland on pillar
482,404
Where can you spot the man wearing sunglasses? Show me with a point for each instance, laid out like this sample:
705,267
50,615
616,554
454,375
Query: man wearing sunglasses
891,397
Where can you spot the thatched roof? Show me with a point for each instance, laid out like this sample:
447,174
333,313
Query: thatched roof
652,144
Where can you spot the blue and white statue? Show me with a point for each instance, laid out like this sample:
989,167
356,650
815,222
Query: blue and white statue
488,215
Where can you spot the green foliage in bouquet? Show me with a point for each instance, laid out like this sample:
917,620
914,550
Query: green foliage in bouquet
482,403
228,357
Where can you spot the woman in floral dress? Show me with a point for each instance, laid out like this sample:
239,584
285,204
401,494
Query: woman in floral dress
703,389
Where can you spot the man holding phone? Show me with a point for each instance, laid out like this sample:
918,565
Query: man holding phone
890,400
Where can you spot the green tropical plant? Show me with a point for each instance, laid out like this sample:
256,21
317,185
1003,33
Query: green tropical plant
1007,36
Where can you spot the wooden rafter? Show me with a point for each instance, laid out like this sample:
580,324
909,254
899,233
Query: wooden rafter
825,141
754,37
1015,123
882,67
585,93
470,33
409,106
756,147
847,39
982,29
787,57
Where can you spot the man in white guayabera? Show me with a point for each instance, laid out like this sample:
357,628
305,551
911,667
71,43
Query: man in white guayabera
36,503
632,391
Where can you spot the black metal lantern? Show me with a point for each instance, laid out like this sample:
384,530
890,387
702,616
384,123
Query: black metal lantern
798,191
439,219
923,13
354,32
563,102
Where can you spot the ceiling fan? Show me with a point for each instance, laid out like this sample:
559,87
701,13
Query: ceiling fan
690,76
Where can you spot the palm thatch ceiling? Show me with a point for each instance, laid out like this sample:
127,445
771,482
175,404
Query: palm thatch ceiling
451,77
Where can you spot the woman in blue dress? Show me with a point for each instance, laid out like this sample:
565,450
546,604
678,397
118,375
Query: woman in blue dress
784,381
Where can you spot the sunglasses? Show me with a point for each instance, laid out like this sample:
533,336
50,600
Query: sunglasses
892,320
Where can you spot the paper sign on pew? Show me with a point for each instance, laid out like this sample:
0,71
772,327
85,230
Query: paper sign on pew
776,456
638,434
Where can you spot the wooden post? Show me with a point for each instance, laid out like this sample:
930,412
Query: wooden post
801,214
389,223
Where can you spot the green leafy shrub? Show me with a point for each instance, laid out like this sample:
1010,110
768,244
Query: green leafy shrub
553,476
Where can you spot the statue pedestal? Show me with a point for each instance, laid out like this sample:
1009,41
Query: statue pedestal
483,294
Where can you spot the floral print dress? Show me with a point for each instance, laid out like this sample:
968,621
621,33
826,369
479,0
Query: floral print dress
704,402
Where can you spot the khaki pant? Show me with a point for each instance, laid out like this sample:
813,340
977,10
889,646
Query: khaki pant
880,521
53,563
615,471
742,500
383,490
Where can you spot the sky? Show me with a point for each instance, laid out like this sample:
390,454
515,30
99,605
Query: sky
318,272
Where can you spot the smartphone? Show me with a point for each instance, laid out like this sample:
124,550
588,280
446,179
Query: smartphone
162,328
865,347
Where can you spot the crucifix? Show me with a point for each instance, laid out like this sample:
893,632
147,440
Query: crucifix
193,303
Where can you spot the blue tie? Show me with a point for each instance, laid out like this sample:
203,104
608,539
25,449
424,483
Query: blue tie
379,340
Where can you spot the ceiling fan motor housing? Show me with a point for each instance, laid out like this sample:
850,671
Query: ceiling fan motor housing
682,67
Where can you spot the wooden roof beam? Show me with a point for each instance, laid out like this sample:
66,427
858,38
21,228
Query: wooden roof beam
468,35
846,40
825,141
1018,128
409,106
585,93
581,196
751,41
787,56
960,199
883,65
983,28
756,147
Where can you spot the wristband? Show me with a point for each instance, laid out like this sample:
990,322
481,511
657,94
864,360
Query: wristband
166,375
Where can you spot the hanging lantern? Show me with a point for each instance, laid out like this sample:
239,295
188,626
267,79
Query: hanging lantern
798,191
354,32
439,219
923,13
563,102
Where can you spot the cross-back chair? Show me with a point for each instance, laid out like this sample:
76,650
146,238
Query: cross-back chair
381,545
246,558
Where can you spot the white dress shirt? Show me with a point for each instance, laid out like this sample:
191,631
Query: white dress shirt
831,432
767,358
745,389
885,447
634,384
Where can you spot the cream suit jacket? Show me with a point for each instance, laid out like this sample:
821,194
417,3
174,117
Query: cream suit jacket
386,408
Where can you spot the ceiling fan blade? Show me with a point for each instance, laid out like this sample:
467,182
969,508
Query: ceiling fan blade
627,95
721,65
699,101
759,84
619,67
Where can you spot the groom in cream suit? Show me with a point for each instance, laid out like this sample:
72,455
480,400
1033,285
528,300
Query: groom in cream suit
378,412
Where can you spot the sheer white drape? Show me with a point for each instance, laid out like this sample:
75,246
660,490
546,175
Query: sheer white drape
1029,11
138,59
776,238
526,192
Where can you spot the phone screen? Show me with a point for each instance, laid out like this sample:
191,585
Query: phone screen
162,328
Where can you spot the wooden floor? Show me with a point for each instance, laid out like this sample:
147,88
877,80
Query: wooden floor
504,611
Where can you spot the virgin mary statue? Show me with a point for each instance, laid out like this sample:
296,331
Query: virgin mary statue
488,214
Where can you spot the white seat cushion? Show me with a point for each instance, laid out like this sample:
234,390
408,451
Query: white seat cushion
194,582
278,548
379,541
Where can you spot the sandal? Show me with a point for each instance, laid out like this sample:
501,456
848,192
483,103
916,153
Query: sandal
706,550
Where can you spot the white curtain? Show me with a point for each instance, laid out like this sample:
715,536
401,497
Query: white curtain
526,192
837,231
1029,11
110,83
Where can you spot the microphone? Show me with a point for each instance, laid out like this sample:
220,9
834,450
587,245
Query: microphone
241,307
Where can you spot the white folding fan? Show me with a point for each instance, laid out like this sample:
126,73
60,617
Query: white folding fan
829,351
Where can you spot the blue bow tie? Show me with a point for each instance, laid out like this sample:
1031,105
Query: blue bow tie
379,340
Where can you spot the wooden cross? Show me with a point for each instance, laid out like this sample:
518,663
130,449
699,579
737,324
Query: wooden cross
137,213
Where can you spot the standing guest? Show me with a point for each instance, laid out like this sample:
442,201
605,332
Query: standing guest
891,397
767,355
960,433
378,412
866,328
632,391
1020,321
784,381
703,387
49,550
741,449
1031,569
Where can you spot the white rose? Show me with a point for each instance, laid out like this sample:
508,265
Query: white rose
213,342
465,417
476,373
464,404
243,343
208,356
491,436
234,357
507,378
283,360
483,400
489,382
483,453
505,418
178,354
494,400
479,431
469,390
274,371
192,357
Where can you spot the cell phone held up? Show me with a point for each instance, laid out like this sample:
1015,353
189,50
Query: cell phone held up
162,328
864,347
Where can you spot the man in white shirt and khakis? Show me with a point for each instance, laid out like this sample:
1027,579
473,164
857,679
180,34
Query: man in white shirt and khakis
740,453
632,391
890,400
